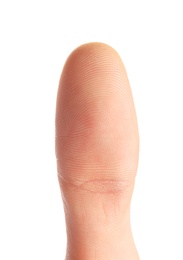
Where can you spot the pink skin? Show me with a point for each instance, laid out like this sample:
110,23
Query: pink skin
97,147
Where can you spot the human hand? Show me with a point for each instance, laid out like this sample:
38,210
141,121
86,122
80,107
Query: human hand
97,154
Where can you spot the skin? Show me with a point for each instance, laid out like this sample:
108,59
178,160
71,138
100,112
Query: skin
97,146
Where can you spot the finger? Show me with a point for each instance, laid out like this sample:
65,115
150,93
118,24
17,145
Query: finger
97,153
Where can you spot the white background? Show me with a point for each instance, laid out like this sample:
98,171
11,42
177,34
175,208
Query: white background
35,39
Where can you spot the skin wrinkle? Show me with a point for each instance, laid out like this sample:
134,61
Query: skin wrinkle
108,186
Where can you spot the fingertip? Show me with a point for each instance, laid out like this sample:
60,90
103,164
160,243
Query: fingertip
96,52
95,114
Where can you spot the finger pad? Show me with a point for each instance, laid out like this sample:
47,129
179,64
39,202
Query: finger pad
96,129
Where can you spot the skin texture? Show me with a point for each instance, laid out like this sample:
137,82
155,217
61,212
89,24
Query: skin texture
97,148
